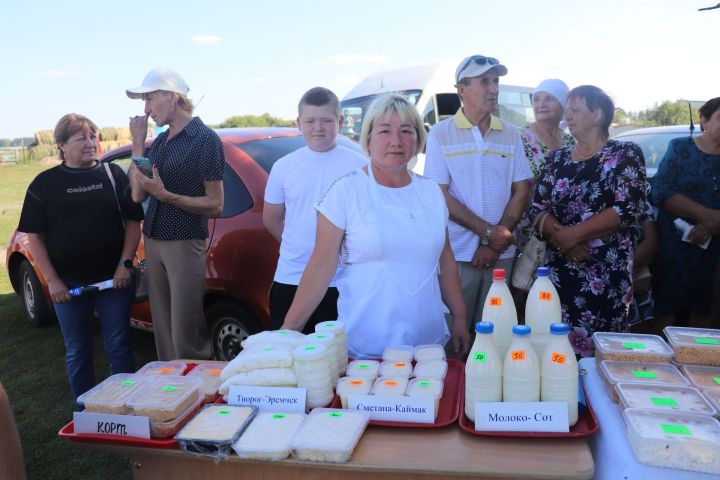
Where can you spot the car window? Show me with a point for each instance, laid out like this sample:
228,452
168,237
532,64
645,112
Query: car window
237,196
653,145
123,161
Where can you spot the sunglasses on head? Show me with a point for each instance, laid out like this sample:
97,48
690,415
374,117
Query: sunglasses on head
478,60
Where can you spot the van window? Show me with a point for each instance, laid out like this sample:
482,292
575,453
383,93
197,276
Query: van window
353,111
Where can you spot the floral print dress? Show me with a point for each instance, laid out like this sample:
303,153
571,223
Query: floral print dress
595,294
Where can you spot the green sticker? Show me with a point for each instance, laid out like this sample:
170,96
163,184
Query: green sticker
278,416
663,402
127,383
169,388
717,380
282,332
641,374
223,412
268,349
676,429
335,414
634,346
362,366
424,383
480,356
330,324
311,347
706,341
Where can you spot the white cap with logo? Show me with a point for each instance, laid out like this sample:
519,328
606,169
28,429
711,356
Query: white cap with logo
159,79
476,65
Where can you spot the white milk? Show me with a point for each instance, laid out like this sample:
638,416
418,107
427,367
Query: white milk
499,309
559,382
328,339
312,369
483,370
542,309
521,370
338,329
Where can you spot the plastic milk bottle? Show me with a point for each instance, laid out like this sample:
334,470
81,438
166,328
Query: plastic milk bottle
542,309
521,370
559,371
499,309
483,370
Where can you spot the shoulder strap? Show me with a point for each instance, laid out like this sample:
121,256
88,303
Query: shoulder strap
112,181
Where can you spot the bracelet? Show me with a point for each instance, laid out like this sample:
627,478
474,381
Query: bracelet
134,158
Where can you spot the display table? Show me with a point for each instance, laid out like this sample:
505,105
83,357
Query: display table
387,453
614,458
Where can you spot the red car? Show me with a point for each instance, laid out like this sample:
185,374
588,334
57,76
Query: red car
242,255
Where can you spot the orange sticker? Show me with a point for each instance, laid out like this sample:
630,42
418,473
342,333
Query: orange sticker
356,382
495,301
545,296
390,383
215,372
558,358
518,355
166,370
400,364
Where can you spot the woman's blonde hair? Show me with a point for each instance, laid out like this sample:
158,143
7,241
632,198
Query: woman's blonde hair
68,126
388,104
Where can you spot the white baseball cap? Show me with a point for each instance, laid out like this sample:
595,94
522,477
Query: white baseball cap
159,79
476,65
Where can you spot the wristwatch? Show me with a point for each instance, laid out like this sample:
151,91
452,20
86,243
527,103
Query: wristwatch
126,262
485,241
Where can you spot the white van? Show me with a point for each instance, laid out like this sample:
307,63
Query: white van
431,88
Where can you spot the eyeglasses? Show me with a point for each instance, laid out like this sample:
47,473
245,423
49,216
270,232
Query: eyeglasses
478,60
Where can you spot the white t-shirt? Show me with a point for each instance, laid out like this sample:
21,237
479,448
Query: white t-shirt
299,180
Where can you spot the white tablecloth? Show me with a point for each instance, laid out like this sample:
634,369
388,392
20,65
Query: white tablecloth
614,458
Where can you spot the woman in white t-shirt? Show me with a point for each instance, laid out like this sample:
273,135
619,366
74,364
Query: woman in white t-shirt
389,228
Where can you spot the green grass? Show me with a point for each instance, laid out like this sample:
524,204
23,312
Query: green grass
32,368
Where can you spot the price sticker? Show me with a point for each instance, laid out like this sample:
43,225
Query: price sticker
518,355
335,414
424,383
545,296
278,416
223,412
390,383
400,364
558,358
634,346
215,372
663,402
130,383
641,374
717,380
169,388
357,382
675,429
495,301
482,357
706,341
166,371
362,366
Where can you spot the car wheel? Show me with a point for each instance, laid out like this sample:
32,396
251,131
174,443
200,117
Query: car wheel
230,324
37,310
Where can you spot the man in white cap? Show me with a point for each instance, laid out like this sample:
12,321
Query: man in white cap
479,162
185,188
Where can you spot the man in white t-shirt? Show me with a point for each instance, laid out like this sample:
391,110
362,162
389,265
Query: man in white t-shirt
297,182
480,164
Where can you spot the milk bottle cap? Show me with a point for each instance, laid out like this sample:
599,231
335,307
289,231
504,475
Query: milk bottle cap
559,328
308,352
484,327
542,272
521,330
499,274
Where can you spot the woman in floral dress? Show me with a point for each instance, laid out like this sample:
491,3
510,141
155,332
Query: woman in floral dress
593,195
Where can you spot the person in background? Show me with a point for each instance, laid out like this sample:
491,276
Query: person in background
185,189
480,164
641,314
82,230
593,195
296,183
12,466
388,226
687,186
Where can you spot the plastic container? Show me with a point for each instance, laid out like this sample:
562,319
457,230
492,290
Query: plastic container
521,369
312,369
390,386
559,372
631,347
268,436
352,386
286,338
396,369
165,398
426,387
214,429
499,309
329,435
210,375
258,357
169,428
483,370
674,440
399,353
436,369
364,368
429,352
542,309
328,339
163,368
613,373
702,377
699,346
664,397
111,395
712,395
338,329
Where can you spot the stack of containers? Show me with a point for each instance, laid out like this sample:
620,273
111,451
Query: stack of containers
328,339
338,329
210,375
312,370
696,346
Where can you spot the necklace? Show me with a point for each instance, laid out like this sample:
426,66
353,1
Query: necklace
580,156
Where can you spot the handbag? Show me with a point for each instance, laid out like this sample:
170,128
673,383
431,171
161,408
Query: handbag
139,270
531,257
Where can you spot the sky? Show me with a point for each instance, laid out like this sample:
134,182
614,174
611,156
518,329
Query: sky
245,57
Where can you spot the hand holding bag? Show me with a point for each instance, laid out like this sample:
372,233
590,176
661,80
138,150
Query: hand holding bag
531,257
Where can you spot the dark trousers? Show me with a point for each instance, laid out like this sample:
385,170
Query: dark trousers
281,297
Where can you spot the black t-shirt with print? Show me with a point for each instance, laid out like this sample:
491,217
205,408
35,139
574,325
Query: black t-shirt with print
76,211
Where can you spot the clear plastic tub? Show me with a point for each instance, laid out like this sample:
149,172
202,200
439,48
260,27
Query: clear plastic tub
210,375
352,386
390,386
631,347
215,428
396,369
429,352
713,396
664,397
699,346
163,368
165,398
364,368
112,394
685,441
431,369
171,427
426,387
268,436
329,435
630,372
398,353
702,376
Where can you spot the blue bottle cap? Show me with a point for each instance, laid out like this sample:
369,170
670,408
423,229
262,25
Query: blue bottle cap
484,327
542,272
521,330
559,328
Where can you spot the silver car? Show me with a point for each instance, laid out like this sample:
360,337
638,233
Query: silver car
653,142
